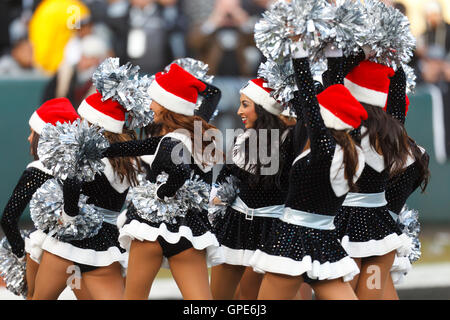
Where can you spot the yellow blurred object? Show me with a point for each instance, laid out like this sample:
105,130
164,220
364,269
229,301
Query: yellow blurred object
52,25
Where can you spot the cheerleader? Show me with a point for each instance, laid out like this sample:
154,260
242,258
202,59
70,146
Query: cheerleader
250,282
304,245
99,259
414,175
248,220
368,232
52,111
187,244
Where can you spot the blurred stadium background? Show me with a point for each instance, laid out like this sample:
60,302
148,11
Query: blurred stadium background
50,48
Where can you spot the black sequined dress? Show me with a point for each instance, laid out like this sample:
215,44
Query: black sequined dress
364,222
247,223
304,240
108,193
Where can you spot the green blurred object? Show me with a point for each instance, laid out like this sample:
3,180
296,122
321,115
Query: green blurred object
20,97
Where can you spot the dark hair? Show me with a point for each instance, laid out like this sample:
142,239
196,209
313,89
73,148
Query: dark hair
348,146
34,145
125,167
388,136
422,164
268,121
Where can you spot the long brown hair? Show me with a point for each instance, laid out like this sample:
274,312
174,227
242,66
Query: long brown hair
171,121
125,167
34,145
348,146
388,136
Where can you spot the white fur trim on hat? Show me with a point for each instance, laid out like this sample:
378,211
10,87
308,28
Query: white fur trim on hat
333,122
36,123
170,101
261,97
365,95
96,117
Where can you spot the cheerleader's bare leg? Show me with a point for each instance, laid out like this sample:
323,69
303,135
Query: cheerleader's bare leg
390,293
249,285
354,281
276,286
335,289
224,280
374,274
51,278
191,274
144,262
105,283
304,293
31,271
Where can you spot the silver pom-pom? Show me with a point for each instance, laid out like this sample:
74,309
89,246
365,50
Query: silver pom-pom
71,150
194,194
273,32
408,221
13,269
390,36
46,208
410,78
227,192
195,67
280,78
348,26
313,21
123,84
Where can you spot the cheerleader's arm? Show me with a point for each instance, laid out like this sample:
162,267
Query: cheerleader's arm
29,182
211,97
132,148
396,101
307,105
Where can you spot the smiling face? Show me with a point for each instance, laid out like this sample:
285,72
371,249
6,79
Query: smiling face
247,111
157,109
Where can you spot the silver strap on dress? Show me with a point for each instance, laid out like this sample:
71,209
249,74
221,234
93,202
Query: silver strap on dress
269,212
366,200
109,216
307,219
393,215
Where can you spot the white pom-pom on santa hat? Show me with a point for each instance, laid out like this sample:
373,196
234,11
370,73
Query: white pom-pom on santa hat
176,90
369,83
109,114
52,111
259,93
339,109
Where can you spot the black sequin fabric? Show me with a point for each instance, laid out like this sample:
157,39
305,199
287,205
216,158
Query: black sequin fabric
401,186
211,97
310,187
29,182
234,230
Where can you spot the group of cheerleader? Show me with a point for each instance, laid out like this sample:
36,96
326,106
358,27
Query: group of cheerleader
325,222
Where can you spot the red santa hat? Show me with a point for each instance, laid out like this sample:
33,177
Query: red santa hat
176,90
369,83
339,109
257,90
108,114
52,111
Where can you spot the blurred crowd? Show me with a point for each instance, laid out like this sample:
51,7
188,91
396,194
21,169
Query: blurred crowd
67,39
